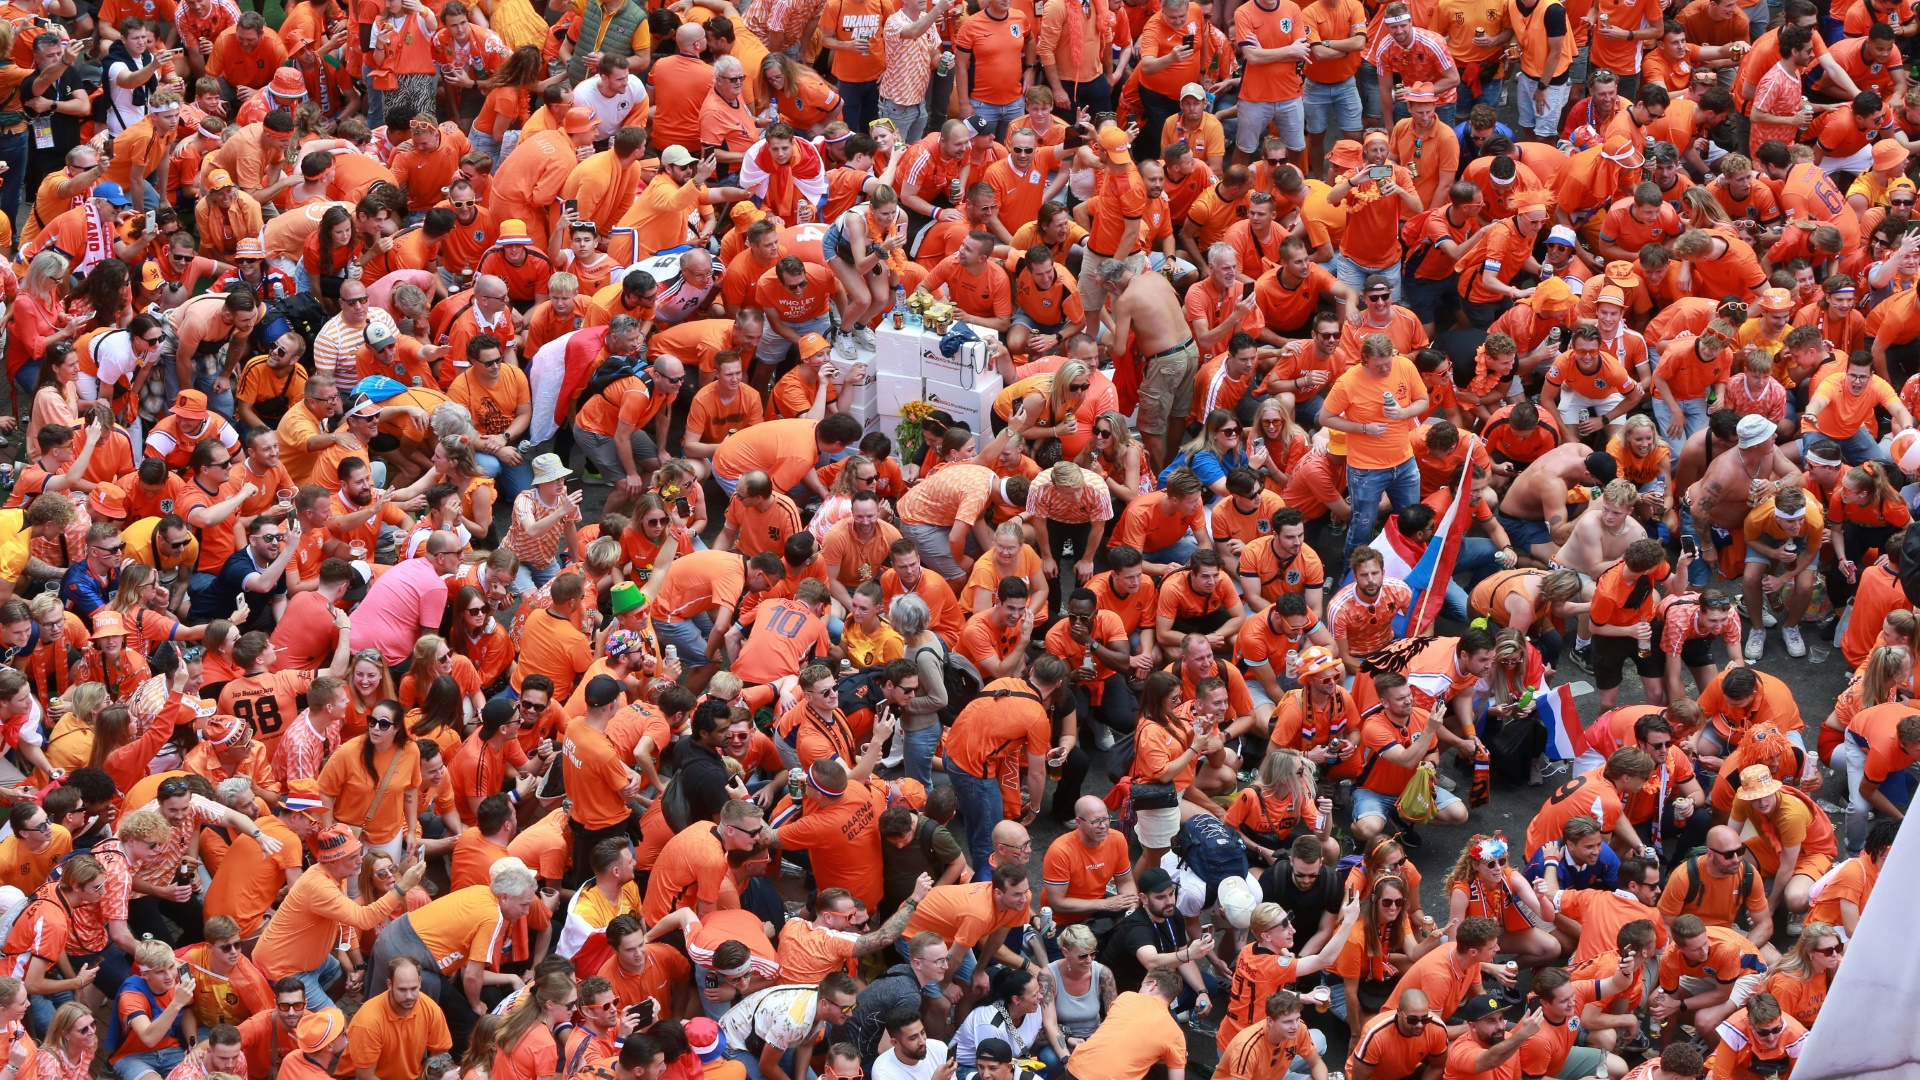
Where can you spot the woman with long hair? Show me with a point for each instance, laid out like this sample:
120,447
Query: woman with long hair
13,1028
1275,444
56,389
807,102
525,1048
1384,942
1279,807
1011,556
141,603
478,1063
380,875
1801,979
1010,1012
1886,677
1211,454
38,318
119,752
72,1038
1871,511
1166,749
70,744
1385,855
441,716
328,251
866,250
838,505
1042,406
372,783
368,683
677,479
432,658
1118,457
1482,883
1518,667
453,457
477,637
107,294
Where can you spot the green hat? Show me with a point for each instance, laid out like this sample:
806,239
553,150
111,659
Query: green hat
627,597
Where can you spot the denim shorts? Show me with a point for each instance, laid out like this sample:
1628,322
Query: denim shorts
1370,803
1342,98
1257,116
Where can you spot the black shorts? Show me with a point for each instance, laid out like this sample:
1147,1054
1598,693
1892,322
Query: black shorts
1611,654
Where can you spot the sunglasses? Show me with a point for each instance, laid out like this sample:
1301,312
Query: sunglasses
231,946
380,722
1323,336
1079,387
462,204
1770,1032
1832,950
481,610
1103,433
1386,901
1734,854
356,301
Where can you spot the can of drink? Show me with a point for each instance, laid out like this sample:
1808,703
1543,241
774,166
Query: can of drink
795,783
899,320
1293,663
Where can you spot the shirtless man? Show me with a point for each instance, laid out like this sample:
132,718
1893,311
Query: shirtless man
198,330
1701,448
1734,483
1146,306
1598,540
1534,509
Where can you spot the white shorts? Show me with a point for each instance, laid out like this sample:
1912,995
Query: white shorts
1157,828
1743,988
1857,162
1571,404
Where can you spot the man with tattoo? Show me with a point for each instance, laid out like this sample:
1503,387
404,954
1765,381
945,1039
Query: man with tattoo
1534,510
1715,507
1598,539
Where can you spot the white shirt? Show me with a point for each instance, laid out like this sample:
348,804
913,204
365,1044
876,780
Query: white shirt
122,113
611,112
888,1066
113,354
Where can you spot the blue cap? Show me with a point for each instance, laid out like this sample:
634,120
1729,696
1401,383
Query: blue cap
111,192
379,387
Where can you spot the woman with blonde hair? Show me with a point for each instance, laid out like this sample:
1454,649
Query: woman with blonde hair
1042,406
1801,979
1275,444
806,102
1280,807
1483,883
1118,457
453,457
72,1038
866,250
38,318
141,602
838,505
1083,988
70,745
433,657
1886,678
525,1048
1703,211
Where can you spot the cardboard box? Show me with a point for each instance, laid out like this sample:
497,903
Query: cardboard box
971,402
896,390
898,351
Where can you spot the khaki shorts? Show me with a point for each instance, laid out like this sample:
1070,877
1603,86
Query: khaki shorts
1743,988
1157,828
1166,389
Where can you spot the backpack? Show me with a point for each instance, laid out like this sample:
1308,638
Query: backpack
103,105
1696,887
860,691
300,313
1212,850
612,370
963,683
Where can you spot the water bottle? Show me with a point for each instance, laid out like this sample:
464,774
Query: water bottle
1066,570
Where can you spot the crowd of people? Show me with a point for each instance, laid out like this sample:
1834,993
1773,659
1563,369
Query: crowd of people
464,614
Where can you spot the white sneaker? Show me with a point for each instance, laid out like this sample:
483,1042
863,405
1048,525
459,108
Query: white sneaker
1756,645
1102,736
1795,646
863,337
1766,615
846,348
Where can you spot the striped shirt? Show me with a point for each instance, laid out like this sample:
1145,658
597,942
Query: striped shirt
1089,504
537,549
303,750
159,869
87,923
909,61
1368,627
337,344
1424,59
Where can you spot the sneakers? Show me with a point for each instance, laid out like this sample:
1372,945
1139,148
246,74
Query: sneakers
1756,645
845,347
1796,647
1766,615
1102,736
1583,656
864,339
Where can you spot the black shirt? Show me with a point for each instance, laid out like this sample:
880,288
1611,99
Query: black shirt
1307,906
703,777
1136,930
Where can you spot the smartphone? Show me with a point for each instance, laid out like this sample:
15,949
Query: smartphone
573,207
1187,41
642,1013
1378,173
683,507
153,222
1689,547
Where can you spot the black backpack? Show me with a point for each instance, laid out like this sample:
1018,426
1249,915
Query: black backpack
300,313
1697,887
963,683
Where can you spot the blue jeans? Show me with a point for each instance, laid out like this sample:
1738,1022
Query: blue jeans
1477,559
513,479
980,810
918,751
1341,99
113,965
317,981
1854,449
1176,553
14,150
1354,276
221,403
1694,409
1001,115
859,104
687,635
530,578
1400,484
153,1062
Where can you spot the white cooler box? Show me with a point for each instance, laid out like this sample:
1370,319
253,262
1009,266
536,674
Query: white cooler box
895,390
871,418
971,402
898,351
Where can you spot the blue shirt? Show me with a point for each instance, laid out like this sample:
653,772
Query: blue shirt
1603,874
1469,146
1210,467
83,593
